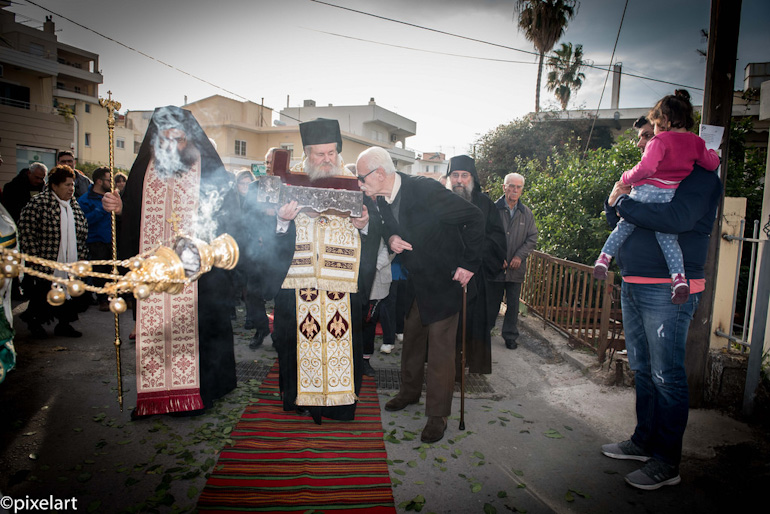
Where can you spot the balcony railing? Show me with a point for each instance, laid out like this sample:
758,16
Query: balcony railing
566,296
21,104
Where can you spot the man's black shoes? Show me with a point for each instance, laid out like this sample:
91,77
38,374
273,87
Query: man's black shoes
258,338
368,370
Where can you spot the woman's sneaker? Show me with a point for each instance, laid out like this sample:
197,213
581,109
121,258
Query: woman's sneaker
680,289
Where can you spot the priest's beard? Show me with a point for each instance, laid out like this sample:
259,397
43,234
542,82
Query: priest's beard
463,191
318,172
171,161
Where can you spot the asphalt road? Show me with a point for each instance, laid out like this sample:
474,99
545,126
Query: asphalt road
531,443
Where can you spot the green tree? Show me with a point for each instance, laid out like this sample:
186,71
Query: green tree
565,75
543,23
567,195
504,149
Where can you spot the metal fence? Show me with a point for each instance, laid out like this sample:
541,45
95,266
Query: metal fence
750,334
743,288
567,296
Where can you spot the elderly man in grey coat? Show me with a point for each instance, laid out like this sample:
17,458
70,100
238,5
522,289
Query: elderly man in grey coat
521,239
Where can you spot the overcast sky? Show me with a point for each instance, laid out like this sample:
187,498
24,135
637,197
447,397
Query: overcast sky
454,88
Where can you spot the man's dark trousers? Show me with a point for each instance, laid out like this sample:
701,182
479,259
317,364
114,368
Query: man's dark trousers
512,292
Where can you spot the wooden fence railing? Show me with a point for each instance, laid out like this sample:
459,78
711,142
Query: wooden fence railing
567,297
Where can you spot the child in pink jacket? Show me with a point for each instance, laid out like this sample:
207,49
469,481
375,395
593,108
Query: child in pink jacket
668,158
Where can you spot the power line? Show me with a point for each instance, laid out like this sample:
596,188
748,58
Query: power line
420,49
422,27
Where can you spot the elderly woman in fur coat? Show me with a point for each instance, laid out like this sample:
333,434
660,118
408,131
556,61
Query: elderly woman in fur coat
52,226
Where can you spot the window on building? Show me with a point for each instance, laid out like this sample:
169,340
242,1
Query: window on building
435,168
13,95
77,89
240,147
289,147
87,141
37,49
88,107
120,142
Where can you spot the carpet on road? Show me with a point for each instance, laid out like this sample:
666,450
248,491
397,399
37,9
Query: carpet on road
283,462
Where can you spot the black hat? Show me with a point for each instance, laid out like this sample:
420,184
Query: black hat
321,131
462,163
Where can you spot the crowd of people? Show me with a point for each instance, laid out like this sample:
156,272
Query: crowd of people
420,253
59,217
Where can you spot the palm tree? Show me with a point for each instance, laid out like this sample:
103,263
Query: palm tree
565,75
543,23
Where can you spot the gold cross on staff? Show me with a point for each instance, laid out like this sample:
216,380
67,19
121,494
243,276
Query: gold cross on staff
111,106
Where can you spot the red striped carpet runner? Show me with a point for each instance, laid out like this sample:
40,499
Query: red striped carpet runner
282,462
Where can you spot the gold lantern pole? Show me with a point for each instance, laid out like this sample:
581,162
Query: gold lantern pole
112,106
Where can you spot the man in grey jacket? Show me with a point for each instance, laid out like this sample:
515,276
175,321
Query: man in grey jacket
521,238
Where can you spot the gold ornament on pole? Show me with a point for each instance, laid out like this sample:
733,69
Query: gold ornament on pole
166,268
112,106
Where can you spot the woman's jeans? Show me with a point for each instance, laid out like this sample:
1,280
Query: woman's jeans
656,335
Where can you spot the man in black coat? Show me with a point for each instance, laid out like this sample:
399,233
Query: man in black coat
28,183
441,237
464,181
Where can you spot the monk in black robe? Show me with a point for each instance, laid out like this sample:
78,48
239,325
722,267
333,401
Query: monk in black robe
178,182
464,180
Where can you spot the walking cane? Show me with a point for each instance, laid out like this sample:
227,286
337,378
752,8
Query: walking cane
462,370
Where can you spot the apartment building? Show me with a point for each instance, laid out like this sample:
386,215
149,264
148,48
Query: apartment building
49,98
431,164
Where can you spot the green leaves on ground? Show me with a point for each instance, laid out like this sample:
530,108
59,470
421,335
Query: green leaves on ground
416,504
571,498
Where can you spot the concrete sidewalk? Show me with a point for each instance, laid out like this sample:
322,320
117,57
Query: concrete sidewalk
531,441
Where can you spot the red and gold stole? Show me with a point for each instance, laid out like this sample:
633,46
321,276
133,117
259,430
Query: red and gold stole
167,359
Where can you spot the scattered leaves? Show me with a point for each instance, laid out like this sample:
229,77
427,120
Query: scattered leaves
416,504
569,496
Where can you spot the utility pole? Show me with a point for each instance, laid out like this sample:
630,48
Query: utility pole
724,28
